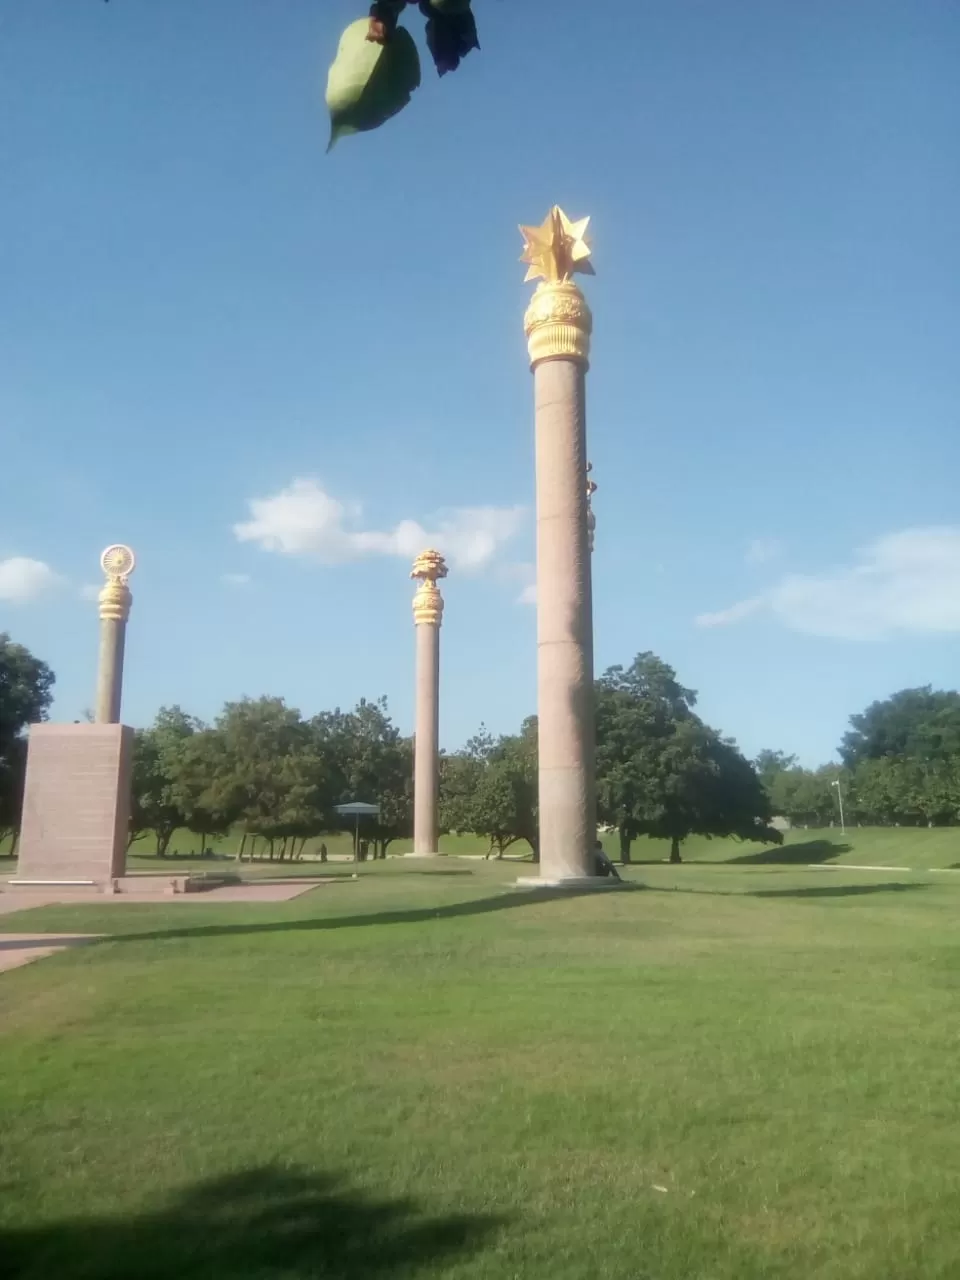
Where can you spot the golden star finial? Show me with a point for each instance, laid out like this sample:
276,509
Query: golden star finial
557,249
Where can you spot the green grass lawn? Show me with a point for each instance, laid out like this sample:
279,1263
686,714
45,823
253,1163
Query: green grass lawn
878,846
913,847
918,848
739,1070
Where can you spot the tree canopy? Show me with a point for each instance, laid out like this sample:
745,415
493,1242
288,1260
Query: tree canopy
26,691
662,772
899,764
490,788
916,724
274,778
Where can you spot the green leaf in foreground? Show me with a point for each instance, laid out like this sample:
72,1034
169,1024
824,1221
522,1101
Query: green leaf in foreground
368,82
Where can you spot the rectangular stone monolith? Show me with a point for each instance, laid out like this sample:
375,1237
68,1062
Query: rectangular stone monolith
76,804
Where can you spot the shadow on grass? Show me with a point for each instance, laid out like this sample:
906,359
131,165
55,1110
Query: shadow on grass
820,891
416,915
453,871
265,1222
836,890
808,851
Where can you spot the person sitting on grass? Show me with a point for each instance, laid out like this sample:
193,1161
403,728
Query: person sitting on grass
604,867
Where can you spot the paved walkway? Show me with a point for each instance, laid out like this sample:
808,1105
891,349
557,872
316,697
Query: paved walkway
25,899
20,948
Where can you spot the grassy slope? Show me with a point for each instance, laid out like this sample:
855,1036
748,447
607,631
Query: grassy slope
917,848
903,846
743,1071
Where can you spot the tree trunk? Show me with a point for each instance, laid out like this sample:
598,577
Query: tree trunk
675,849
625,842
243,845
14,842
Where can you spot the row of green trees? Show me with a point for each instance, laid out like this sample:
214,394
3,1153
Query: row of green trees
276,777
273,776
900,764
26,691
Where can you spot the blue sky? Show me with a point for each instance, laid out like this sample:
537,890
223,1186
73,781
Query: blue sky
239,355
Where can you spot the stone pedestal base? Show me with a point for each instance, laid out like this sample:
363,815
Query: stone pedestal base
572,882
423,855
76,804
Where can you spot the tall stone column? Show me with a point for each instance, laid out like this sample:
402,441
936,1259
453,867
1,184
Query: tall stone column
76,801
429,568
117,563
558,325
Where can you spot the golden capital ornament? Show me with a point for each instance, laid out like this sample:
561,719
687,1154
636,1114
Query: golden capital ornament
428,568
558,323
117,563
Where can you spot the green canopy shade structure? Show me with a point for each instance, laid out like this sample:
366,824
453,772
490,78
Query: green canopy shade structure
357,809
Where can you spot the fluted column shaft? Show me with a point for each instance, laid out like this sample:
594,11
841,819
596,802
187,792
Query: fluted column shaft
567,796
558,325
427,742
113,635
428,568
115,602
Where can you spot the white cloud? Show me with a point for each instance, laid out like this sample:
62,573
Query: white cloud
91,591
734,614
762,550
23,579
523,574
904,583
305,520
235,579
